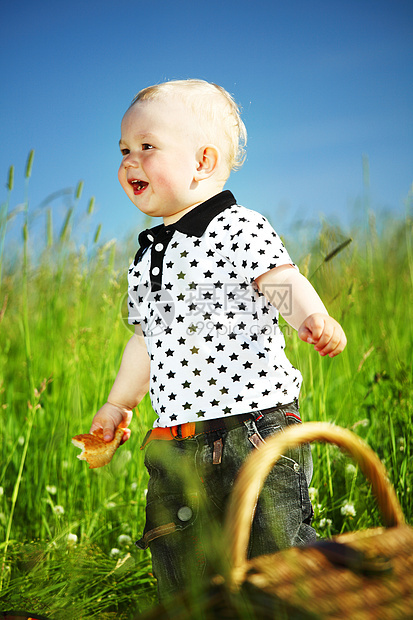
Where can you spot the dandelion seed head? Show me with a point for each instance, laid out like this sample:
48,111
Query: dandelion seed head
114,552
71,539
351,470
124,540
51,489
58,510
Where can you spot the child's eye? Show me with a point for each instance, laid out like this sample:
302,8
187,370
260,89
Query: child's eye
146,147
124,151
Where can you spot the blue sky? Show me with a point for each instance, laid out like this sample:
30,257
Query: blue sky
321,84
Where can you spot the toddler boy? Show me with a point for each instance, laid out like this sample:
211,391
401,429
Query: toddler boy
205,291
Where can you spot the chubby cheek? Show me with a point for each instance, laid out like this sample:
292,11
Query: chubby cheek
122,178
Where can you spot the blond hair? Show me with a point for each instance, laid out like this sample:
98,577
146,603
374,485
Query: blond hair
216,112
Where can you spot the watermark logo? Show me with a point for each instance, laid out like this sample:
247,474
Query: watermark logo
280,296
206,305
160,316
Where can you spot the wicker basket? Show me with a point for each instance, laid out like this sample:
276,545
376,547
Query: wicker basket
361,575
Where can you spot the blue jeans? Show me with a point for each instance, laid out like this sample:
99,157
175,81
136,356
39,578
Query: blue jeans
190,482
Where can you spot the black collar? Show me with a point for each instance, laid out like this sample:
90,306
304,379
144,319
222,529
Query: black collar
196,221
193,223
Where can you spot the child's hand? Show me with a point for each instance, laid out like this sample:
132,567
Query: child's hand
109,417
324,333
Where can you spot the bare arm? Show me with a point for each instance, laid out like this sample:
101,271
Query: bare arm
306,313
130,386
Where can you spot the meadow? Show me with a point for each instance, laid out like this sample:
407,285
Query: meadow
67,532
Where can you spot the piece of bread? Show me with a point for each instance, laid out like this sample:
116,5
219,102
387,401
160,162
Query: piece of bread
95,450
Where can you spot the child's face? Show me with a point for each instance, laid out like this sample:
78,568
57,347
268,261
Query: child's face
159,163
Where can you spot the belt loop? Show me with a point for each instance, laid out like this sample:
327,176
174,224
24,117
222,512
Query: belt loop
253,434
257,415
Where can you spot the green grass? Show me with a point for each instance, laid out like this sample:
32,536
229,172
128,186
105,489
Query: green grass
62,333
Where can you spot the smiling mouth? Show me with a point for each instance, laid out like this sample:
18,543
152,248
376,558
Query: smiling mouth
138,186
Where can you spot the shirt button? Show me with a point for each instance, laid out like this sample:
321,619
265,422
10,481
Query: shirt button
155,271
159,247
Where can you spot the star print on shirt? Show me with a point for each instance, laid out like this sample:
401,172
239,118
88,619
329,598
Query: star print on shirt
222,353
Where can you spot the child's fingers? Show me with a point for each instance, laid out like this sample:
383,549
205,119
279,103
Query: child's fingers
107,426
126,435
312,329
333,344
324,333
109,418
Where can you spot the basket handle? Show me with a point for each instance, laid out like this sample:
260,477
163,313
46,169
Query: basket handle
258,465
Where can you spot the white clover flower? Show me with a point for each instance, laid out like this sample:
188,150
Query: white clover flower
58,510
51,489
313,493
348,510
124,539
325,522
71,539
110,505
351,470
21,440
114,552
134,486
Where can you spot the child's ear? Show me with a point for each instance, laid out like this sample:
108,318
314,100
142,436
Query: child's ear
207,162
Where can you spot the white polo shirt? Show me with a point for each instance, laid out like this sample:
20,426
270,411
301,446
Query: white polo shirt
213,339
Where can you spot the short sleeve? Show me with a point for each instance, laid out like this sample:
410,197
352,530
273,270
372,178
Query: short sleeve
250,243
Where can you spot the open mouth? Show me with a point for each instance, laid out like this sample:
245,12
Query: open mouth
138,186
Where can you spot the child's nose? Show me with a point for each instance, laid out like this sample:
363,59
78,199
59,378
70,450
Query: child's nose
131,161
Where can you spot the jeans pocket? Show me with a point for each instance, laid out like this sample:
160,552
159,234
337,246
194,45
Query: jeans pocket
172,514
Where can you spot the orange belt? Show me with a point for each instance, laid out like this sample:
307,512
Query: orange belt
170,432
192,429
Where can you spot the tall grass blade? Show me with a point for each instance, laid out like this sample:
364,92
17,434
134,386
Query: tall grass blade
337,250
79,190
29,165
49,228
65,228
10,179
97,233
91,206
4,217
332,255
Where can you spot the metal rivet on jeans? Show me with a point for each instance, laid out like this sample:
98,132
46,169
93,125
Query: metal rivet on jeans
296,467
184,513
